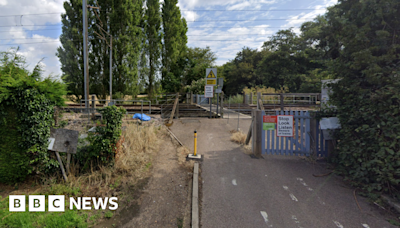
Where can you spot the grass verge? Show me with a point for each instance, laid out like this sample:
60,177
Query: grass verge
132,164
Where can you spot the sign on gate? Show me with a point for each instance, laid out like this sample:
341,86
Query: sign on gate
269,123
285,126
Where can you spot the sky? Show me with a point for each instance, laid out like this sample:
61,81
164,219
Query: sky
226,26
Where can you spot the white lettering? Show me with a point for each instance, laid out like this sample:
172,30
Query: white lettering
86,203
100,202
115,204
73,203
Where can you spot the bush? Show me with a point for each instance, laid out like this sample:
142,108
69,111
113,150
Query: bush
26,115
367,97
103,143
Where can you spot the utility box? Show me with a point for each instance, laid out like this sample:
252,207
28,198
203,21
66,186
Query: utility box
328,127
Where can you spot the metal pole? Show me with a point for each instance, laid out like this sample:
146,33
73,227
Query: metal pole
229,107
111,68
238,117
217,103
142,112
85,53
209,100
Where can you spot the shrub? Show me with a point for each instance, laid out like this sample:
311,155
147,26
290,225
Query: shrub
103,143
26,115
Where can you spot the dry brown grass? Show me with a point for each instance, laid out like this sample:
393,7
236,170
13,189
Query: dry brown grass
238,137
132,163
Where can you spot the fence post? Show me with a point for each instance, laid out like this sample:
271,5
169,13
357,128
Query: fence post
244,98
258,98
257,134
191,97
251,98
281,103
313,134
222,104
177,107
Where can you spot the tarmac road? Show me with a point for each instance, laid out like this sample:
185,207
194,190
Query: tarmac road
277,191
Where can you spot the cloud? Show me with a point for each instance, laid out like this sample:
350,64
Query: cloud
244,32
296,20
33,46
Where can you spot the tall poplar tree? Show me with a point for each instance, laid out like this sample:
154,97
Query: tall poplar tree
153,36
174,46
121,19
70,53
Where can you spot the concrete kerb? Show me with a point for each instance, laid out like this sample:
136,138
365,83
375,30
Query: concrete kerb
195,196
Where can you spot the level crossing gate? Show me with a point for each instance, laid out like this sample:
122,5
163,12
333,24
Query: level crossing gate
307,138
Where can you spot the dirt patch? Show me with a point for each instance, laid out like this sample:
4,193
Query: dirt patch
165,200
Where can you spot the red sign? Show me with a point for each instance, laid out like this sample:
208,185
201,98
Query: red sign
269,119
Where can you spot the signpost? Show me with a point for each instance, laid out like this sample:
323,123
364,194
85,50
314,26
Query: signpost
63,140
211,80
284,126
209,93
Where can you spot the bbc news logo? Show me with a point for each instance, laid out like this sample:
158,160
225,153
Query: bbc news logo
56,203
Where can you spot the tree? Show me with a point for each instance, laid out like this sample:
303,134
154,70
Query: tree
70,53
174,46
362,38
241,72
121,19
153,36
198,60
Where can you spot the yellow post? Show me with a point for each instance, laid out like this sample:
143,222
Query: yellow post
195,143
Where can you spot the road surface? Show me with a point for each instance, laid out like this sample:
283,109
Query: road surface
277,191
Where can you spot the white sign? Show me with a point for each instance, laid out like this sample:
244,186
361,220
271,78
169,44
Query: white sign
284,126
211,76
208,91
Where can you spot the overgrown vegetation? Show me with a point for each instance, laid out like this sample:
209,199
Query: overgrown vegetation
26,115
364,45
131,166
104,143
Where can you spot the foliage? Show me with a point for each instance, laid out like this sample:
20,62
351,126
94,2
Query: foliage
365,47
121,19
287,60
69,218
174,46
26,115
197,61
103,143
13,74
234,99
153,39
197,87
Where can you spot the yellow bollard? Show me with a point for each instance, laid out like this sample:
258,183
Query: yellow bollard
195,143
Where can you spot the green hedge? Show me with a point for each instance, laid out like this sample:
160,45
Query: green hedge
26,114
26,118
14,161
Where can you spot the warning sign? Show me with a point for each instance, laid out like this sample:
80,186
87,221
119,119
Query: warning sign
269,123
284,126
208,91
211,76
211,82
269,119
